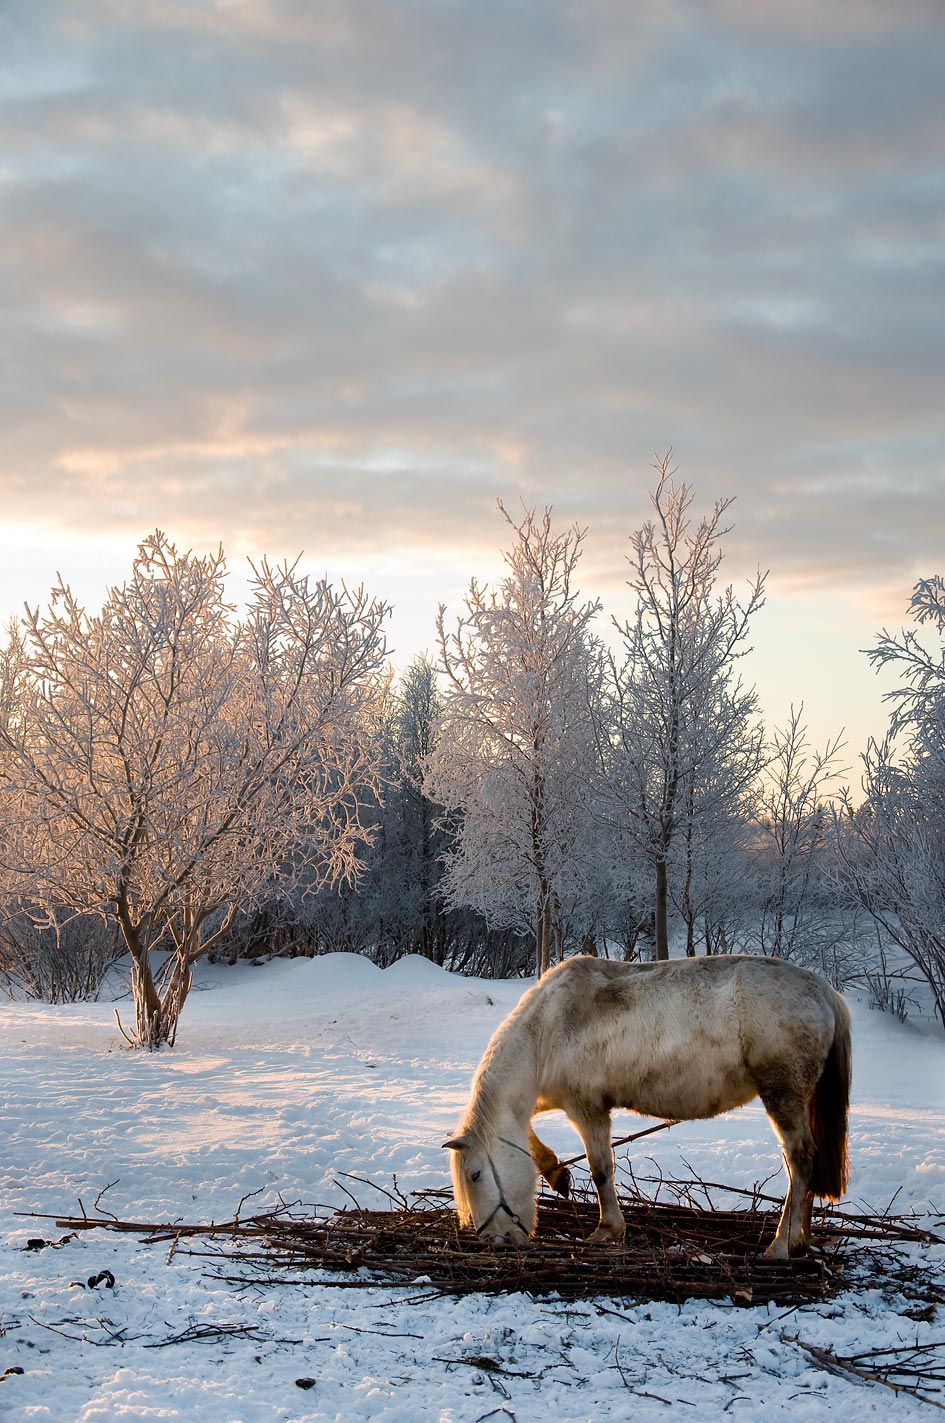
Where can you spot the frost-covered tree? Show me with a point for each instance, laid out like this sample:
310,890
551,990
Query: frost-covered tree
714,804
59,958
512,765
163,761
678,718
414,837
399,909
395,907
800,915
708,888
893,846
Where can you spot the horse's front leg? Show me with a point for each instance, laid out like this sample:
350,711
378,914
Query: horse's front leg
595,1133
557,1176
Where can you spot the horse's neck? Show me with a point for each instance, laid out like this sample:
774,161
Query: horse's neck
506,1087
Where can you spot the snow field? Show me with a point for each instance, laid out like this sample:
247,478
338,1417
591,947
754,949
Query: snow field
290,1074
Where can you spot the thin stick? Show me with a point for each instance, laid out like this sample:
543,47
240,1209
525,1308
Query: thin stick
622,1141
128,1040
837,1364
362,1180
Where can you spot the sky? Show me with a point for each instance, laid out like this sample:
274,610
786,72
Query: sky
334,277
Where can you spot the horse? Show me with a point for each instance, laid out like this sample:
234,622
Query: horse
682,1039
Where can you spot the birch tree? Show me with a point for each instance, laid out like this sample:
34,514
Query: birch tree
513,760
714,805
673,676
800,915
893,846
164,762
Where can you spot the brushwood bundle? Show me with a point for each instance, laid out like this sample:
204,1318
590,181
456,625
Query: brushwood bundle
676,1249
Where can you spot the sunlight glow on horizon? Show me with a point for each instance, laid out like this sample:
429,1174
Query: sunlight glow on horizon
806,643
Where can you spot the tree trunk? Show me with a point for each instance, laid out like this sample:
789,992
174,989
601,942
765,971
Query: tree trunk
178,986
687,910
688,915
144,992
543,931
426,906
146,999
156,1015
660,916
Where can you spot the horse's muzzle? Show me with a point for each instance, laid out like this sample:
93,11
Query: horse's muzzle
512,1236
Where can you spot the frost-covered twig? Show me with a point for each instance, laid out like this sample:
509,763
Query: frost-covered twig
859,1368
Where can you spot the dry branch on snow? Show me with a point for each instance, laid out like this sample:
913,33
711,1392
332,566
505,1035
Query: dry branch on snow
675,1249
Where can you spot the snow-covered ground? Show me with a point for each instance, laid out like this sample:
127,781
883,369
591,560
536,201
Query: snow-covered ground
287,1075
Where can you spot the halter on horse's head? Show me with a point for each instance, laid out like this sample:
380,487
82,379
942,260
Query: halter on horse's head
494,1185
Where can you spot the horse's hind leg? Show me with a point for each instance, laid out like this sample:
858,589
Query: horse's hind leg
789,1116
595,1133
557,1176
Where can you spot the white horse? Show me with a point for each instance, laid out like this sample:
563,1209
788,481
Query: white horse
682,1039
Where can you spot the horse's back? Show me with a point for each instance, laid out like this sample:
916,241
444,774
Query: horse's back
585,989
680,1038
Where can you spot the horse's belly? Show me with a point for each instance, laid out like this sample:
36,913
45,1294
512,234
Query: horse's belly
682,1092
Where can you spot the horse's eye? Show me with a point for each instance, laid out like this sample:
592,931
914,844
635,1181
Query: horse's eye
475,1176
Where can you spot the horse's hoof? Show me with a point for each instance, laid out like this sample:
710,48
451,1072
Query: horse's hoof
562,1182
606,1235
775,1252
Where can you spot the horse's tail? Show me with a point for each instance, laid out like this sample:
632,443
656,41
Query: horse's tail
828,1111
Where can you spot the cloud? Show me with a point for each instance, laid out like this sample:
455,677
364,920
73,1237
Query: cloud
341,274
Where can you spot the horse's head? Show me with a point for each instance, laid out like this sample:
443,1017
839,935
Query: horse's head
493,1186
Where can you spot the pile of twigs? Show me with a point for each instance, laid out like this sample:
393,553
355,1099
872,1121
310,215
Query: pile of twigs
675,1249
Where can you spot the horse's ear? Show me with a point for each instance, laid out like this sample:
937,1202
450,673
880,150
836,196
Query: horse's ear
455,1143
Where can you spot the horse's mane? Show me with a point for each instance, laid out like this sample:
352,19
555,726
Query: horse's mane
482,1116
479,1122
481,1119
483,1112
